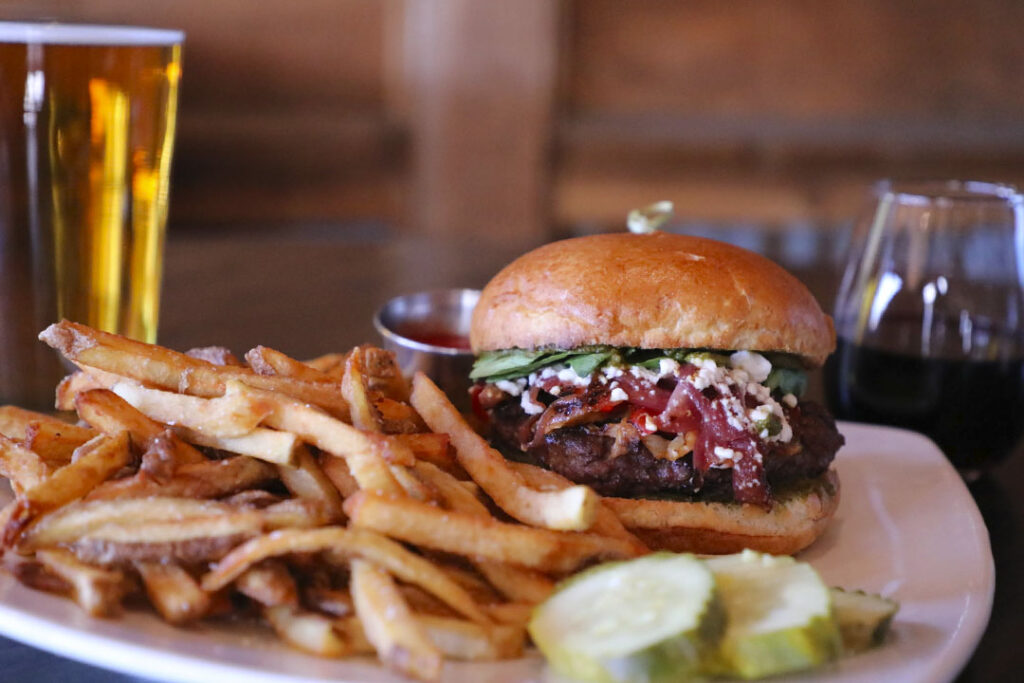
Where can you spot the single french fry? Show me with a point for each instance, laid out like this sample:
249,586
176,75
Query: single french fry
206,479
425,525
307,631
74,384
457,638
364,415
364,452
298,513
173,592
307,480
518,584
434,448
269,445
160,367
452,491
331,364
24,468
83,518
233,414
109,413
147,530
460,639
266,361
389,625
97,590
218,355
413,486
196,540
570,509
93,463
337,471
382,375
269,583
55,441
606,522
14,421
341,544
397,417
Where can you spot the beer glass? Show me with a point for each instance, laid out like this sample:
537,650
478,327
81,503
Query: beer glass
930,319
87,117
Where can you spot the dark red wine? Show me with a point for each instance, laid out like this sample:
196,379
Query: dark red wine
973,409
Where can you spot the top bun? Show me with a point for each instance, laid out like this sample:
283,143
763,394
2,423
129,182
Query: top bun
656,291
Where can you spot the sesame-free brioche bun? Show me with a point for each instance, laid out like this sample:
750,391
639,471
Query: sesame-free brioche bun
794,522
657,290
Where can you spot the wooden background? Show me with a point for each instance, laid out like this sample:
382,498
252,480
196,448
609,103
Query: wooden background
534,118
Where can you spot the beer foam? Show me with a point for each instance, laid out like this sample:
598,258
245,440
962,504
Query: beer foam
86,34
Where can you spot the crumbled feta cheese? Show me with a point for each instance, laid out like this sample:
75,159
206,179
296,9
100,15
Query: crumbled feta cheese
754,364
529,406
513,387
567,374
723,453
789,400
611,371
618,395
640,372
667,366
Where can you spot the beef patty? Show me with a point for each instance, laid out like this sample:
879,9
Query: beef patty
583,454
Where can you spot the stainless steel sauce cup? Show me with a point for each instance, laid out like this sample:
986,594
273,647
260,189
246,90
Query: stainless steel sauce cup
429,333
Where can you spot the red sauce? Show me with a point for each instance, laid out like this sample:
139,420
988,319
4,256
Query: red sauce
435,337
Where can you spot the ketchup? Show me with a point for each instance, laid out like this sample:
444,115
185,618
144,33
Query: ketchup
435,337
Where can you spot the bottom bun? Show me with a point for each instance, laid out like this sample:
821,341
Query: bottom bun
796,519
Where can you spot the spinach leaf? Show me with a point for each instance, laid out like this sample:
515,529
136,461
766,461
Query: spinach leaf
585,364
787,381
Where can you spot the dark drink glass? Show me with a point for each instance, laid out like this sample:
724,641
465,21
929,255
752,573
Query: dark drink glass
930,319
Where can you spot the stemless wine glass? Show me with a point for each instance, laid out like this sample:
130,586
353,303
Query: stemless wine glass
930,319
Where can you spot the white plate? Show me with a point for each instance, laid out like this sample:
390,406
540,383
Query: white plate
907,527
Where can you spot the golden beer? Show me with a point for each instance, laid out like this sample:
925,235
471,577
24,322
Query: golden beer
87,118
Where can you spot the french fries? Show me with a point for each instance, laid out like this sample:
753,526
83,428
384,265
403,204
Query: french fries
95,462
389,624
173,592
572,508
469,535
353,515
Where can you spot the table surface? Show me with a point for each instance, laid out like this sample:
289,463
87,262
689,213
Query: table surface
308,291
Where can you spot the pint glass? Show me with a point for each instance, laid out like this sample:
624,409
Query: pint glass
87,118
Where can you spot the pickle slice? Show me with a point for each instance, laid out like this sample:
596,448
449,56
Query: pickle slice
863,618
778,613
645,620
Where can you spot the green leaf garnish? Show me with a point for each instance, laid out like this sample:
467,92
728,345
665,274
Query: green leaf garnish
585,364
787,381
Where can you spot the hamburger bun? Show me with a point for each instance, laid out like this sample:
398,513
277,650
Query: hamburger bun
656,290
793,523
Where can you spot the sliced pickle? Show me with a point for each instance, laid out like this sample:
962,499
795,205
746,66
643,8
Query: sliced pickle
644,620
863,618
778,615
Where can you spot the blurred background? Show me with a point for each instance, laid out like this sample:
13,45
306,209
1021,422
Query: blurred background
526,120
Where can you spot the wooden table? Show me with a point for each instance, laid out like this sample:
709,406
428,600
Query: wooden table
311,291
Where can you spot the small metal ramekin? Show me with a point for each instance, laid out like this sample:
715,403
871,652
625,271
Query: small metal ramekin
408,323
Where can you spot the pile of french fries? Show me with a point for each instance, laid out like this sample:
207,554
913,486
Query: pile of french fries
351,512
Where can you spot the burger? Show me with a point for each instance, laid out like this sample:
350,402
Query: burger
666,372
